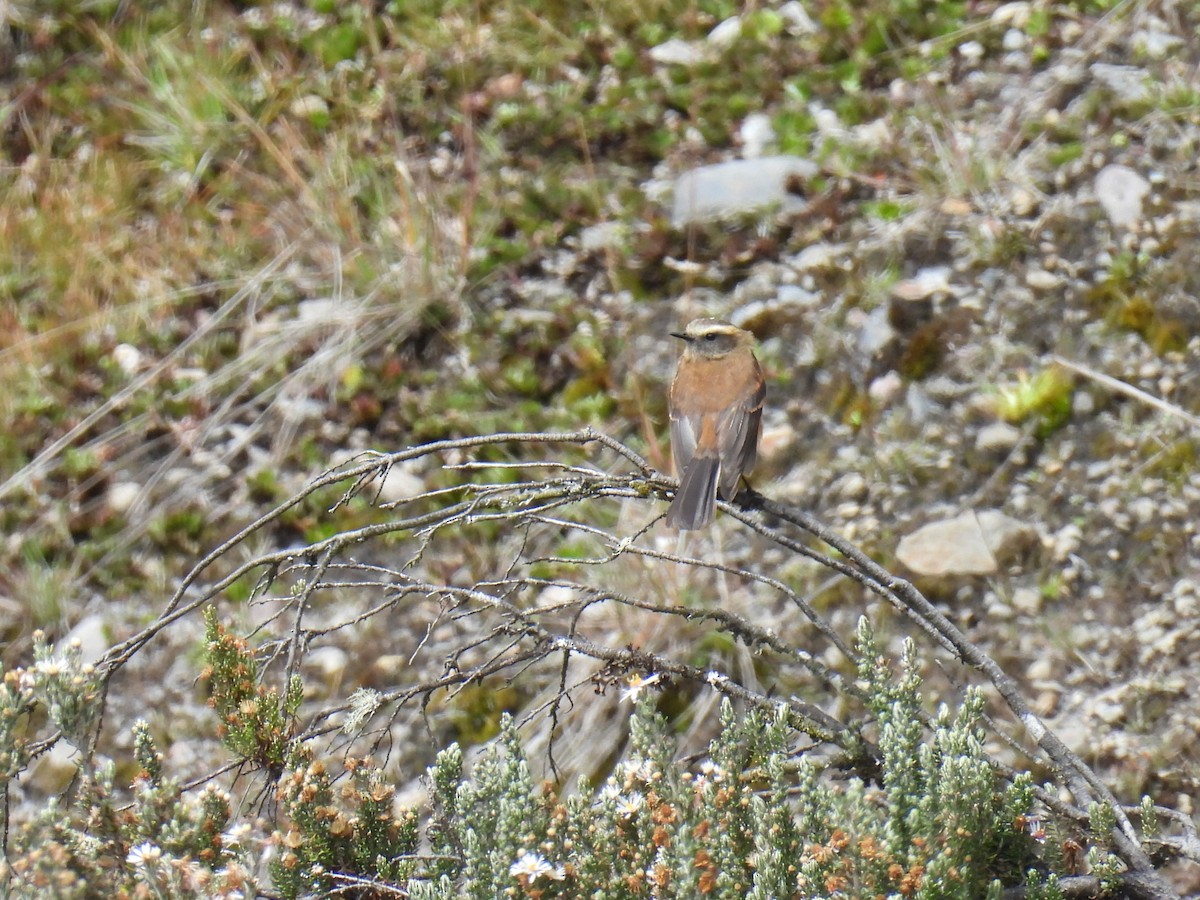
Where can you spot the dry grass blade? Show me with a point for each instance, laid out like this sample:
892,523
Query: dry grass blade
1122,387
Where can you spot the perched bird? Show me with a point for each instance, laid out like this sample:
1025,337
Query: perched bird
716,405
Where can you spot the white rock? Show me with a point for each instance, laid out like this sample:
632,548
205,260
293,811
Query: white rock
875,333
1027,602
827,121
181,755
1120,191
308,106
778,442
324,310
1156,44
329,664
971,51
556,595
726,33
1185,598
121,495
414,795
1024,203
874,135
996,609
739,187
819,257
128,358
1015,14
1142,509
602,236
301,409
1046,703
757,135
92,633
797,18
947,547
1041,280
1108,710
851,486
1005,536
794,295
997,437
389,668
1083,404
920,405
926,283
886,388
402,484
678,52
1129,83
847,511
973,543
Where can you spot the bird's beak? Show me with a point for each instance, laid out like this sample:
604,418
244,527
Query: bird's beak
680,335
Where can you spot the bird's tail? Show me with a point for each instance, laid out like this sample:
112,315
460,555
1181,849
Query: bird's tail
695,501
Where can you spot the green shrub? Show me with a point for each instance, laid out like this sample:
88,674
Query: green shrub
747,821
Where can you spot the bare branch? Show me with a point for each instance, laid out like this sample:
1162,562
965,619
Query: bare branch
512,576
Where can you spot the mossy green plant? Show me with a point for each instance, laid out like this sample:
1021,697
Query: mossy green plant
1043,398
256,722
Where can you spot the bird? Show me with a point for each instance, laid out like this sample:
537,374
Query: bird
716,403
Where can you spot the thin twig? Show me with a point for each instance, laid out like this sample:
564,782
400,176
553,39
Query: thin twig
1129,390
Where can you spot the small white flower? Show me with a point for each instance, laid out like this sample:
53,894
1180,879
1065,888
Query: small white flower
51,668
637,684
640,769
709,771
1036,828
610,791
144,855
531,866
629,806
972,51
714,678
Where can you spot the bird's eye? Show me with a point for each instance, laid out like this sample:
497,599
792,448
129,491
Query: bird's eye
710,337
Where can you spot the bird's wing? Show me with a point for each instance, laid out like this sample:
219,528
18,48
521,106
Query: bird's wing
685,431
739,429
